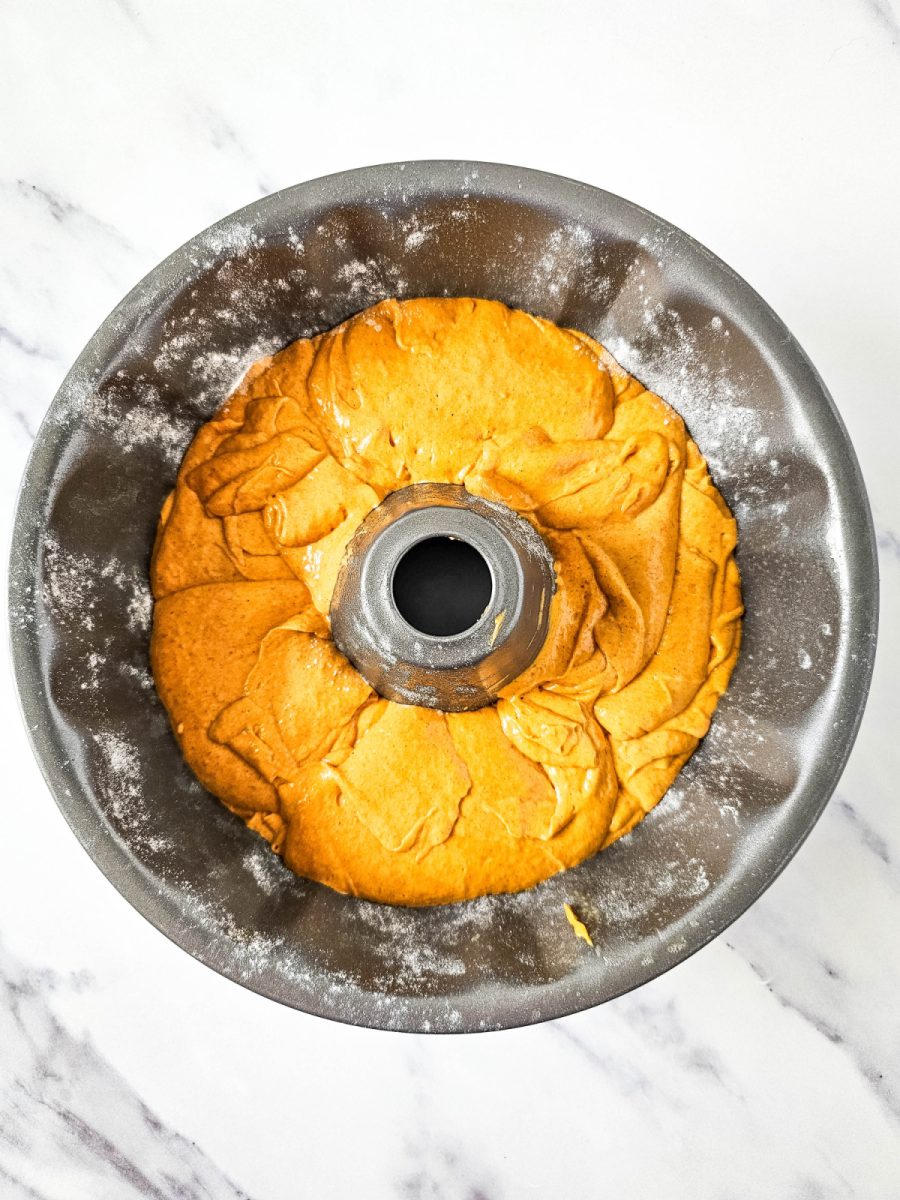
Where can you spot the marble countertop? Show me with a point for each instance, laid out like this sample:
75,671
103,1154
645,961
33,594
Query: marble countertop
766,1066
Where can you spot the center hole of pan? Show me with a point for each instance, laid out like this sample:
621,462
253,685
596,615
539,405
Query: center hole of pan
442,586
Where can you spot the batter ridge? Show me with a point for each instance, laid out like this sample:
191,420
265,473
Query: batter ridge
391,801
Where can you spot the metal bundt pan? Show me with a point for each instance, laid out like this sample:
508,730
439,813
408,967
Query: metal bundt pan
294,264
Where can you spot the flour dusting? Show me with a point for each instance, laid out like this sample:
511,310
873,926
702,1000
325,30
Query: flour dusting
130,410
120,779
716,402
72,587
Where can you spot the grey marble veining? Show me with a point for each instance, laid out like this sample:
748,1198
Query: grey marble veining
766,1066
70,1124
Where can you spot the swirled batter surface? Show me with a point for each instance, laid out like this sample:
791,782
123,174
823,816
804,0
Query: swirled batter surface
405,804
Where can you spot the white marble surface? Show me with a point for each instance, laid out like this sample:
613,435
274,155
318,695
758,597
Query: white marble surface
766,1066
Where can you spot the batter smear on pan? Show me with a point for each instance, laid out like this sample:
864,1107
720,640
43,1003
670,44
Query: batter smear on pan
395,802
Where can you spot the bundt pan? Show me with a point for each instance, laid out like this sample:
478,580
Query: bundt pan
299,262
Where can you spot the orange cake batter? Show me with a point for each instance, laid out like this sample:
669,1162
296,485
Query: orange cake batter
405,804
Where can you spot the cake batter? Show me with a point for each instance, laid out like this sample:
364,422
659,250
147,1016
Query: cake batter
409,805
